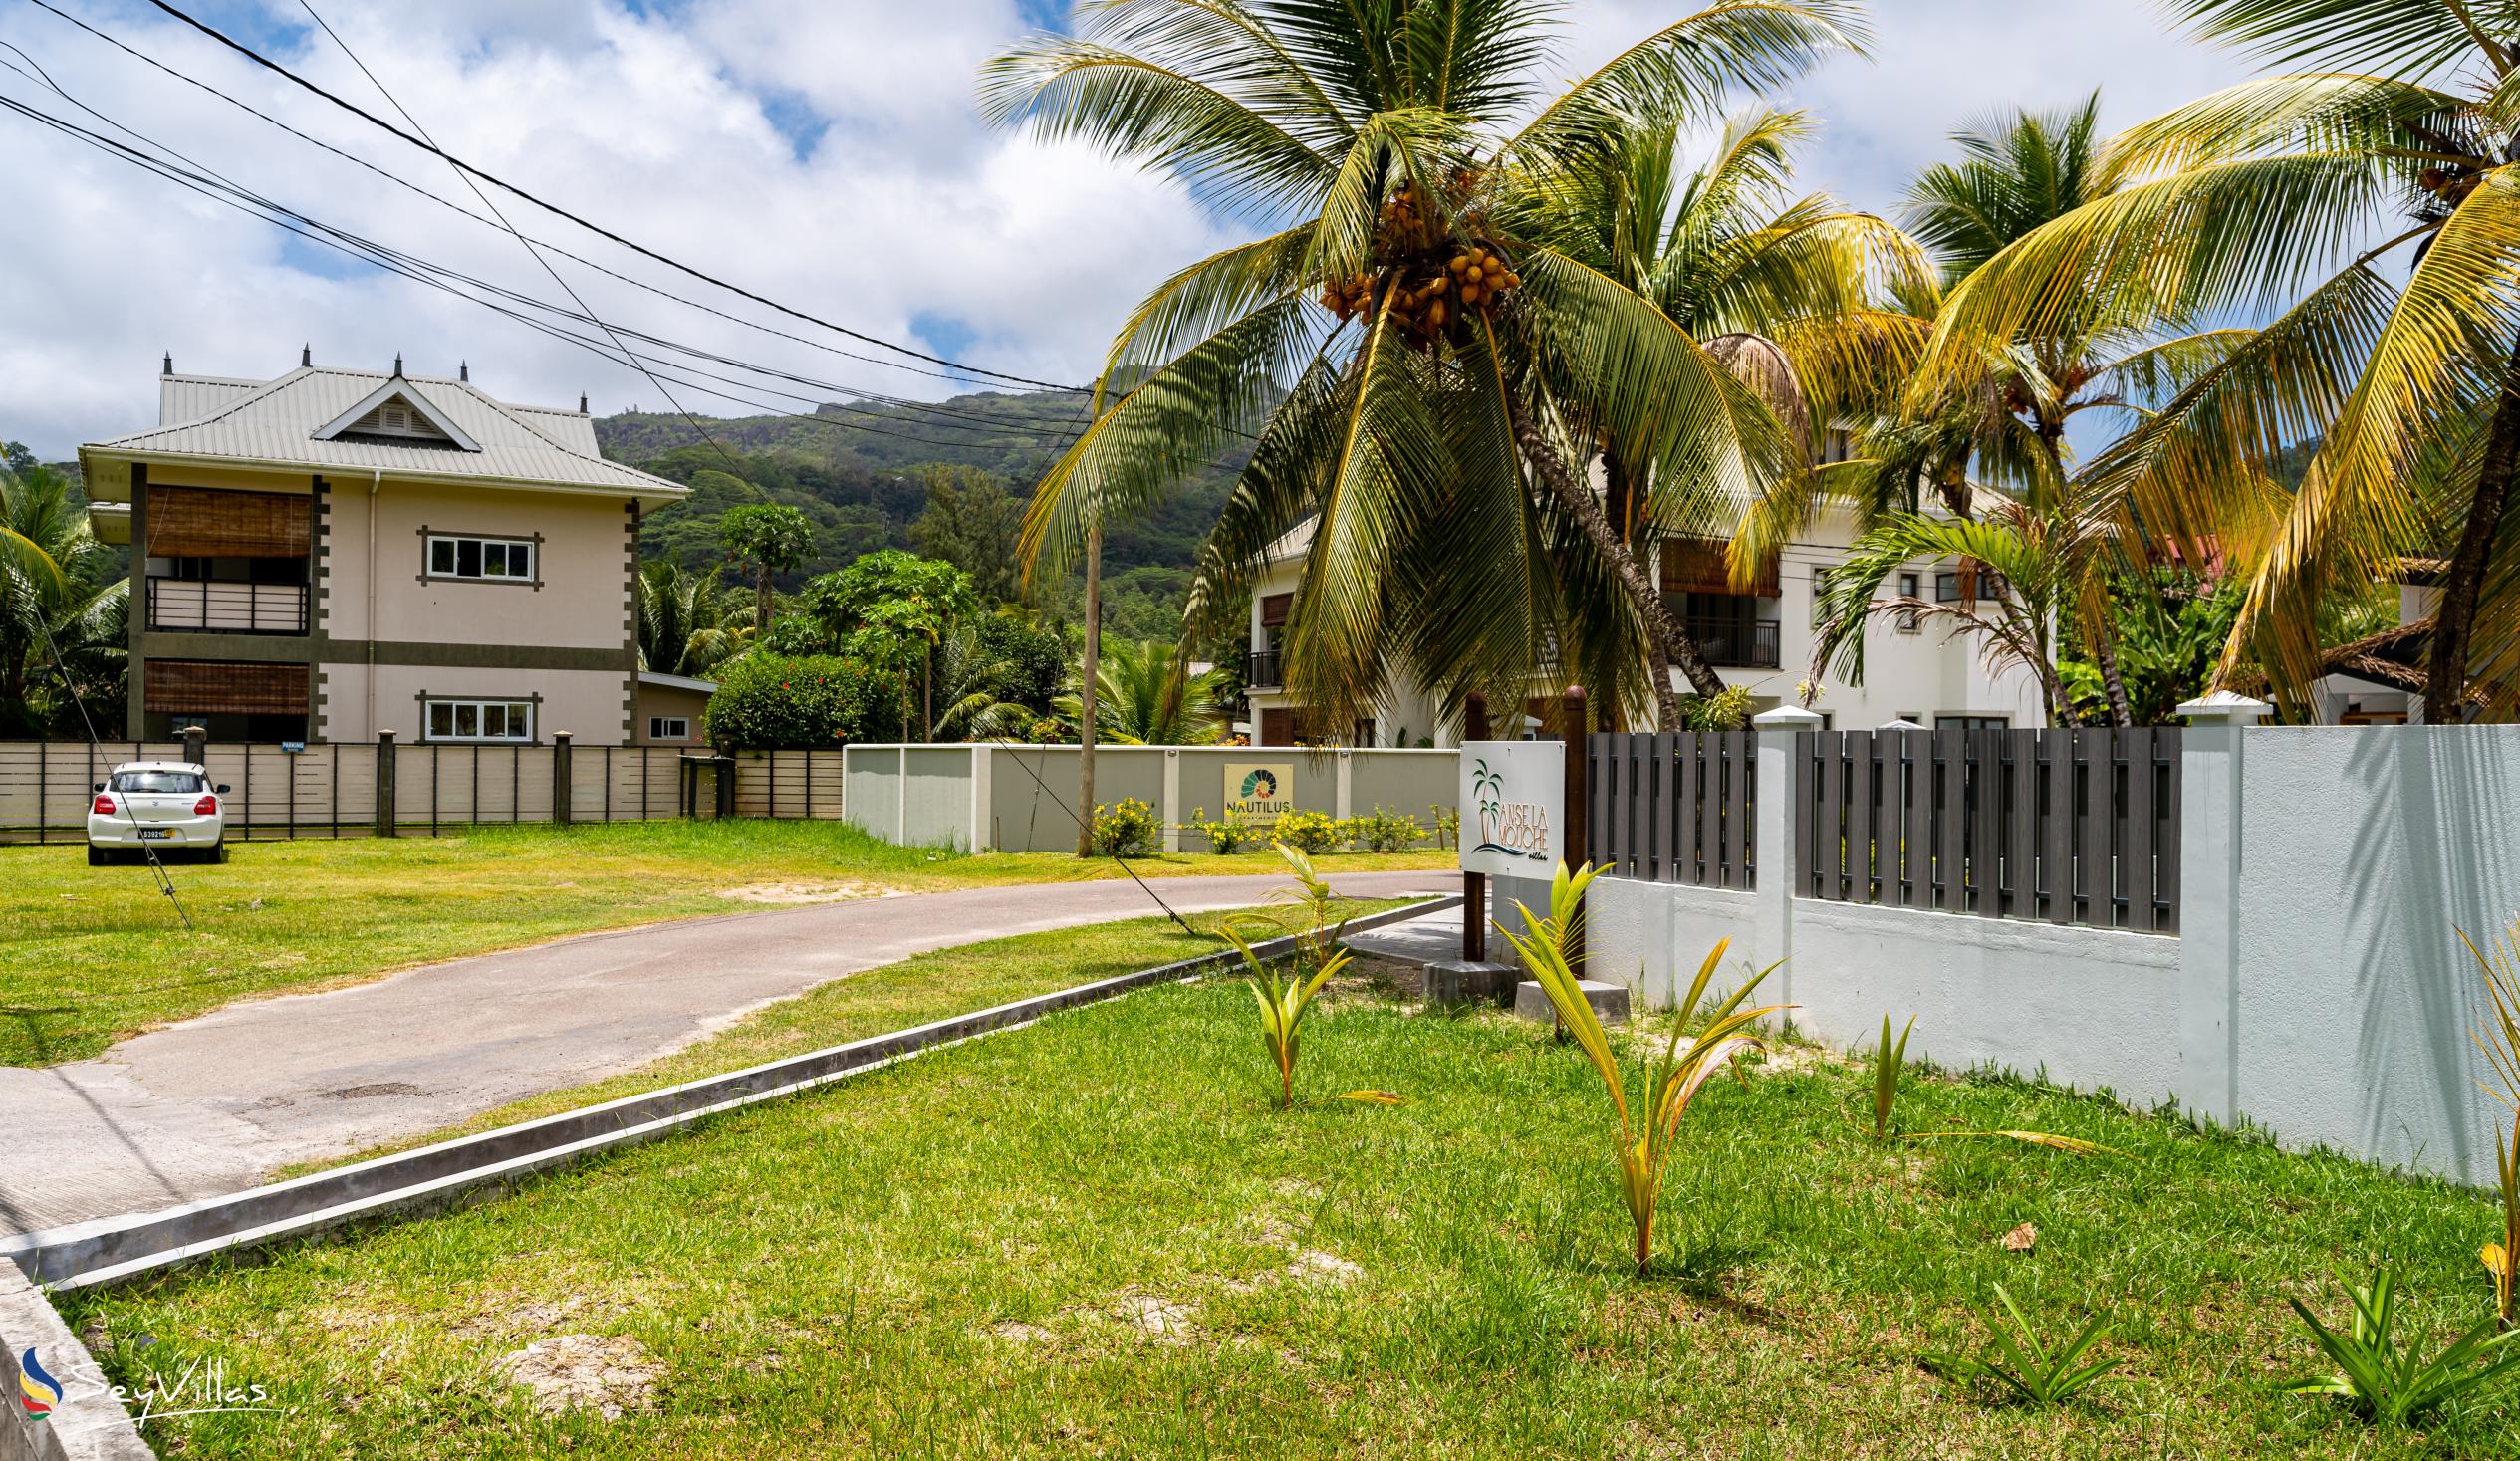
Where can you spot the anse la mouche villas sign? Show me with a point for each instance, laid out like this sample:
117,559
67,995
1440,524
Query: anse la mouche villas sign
1513,794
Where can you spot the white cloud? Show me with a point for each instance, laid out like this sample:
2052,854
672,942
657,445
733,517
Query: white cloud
681,126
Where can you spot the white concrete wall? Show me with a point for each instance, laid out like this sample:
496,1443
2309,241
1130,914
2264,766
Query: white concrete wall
2319,990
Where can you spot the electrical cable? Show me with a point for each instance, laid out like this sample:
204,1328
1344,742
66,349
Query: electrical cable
736,468
458,163
220,189
165,882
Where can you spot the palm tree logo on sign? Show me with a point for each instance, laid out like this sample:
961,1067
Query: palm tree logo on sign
1515,828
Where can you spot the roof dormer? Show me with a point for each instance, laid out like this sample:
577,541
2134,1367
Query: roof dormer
396,413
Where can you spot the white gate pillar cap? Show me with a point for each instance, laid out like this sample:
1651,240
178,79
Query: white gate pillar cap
1899,724
1788,718
2226,707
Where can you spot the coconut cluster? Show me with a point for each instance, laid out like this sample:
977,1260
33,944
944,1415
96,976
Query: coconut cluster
1429,298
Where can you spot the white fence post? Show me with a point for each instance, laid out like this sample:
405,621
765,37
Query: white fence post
1347,787
1777,846
981,800
1172,799
2209,902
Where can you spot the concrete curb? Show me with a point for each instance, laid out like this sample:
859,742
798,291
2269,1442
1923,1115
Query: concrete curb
89,1423
114,1250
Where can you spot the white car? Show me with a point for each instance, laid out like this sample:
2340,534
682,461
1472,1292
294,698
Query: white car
166,805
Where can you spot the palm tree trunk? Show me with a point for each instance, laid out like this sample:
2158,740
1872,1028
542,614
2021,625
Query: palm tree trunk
1667,706
1092,668
2452,622
1577,499
2104,651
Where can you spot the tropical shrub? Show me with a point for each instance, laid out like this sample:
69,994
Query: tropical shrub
1126,828
1309,833
1645,1135
1227,836
1726,710
1447,825
2017,1362
779,702
2395,1386
1382,831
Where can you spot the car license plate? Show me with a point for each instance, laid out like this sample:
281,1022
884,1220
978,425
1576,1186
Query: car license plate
157,834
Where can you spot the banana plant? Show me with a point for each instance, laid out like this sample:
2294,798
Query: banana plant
1647,1134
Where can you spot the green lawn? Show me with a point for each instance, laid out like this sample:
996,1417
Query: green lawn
88,955
1096,1237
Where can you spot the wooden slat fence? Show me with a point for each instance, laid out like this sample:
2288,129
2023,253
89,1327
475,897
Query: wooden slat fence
330,790
2059,826
1675,806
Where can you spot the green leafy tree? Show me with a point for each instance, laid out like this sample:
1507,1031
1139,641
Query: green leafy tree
1147,696
771,537
894,608
972,522
2169,632
2403,356
800,702
1415,365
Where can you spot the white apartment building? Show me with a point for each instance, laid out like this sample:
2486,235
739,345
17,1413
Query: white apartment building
1914,670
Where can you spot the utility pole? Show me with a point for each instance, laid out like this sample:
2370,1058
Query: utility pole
1093,668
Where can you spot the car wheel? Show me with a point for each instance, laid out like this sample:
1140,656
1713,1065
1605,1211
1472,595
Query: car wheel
218,850
96,857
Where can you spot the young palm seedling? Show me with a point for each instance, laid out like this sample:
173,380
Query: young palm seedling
2395,1386
2018,1362
1891,1060
1285,996
1645,1135
2500,1040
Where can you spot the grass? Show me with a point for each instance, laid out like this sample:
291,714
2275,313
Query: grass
1096,1237
91,955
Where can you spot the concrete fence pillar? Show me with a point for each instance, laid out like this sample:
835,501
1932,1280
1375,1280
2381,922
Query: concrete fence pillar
1172,814
983,797
2210,756
1776,844
560,777
1347,787
196,745
385,768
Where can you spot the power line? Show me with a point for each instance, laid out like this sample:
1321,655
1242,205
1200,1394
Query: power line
428,146
451,206
209,183
527,245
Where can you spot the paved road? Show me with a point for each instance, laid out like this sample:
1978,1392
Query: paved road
215,1104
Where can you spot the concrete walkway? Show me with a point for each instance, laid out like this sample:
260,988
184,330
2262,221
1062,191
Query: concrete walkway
215,1104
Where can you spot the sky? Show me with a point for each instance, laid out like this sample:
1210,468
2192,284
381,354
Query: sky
825,154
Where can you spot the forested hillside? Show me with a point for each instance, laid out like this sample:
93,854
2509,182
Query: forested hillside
860,474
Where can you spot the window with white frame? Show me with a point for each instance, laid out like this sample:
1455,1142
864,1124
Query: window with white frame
668,728
478,720
506,559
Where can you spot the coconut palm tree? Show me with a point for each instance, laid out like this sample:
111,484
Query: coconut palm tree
1406,356
1998,411
2297,197
687,620
1147,696
1788,292
50,599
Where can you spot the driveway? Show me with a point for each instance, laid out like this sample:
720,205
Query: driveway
216,1103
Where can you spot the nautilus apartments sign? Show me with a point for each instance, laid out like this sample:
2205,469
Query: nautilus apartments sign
1513,794
1259,789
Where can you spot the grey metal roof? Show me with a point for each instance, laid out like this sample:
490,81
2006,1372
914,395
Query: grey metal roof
273,424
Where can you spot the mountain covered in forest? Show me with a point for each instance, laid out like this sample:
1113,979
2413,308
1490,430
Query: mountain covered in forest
861,473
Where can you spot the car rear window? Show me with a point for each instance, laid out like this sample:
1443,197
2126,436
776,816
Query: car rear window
158,781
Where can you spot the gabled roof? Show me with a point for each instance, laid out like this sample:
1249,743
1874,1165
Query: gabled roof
282,423
396,391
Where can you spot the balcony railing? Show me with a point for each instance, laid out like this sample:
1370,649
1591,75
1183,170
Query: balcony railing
1738,643
1260,672
227,608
